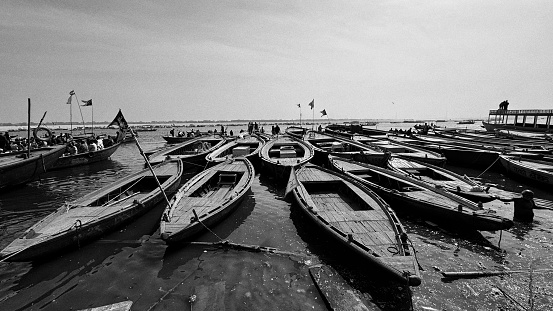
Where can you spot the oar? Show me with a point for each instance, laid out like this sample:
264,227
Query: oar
478,274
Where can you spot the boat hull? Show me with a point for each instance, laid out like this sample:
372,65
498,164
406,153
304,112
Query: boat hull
529,170
76,224
85,158
19,170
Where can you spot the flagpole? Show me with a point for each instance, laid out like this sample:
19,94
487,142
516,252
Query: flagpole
71,117
84,127
300,116
92,120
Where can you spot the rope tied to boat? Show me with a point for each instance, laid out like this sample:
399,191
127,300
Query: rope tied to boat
488,167
201,222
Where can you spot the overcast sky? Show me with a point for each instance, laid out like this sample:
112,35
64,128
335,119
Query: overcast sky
221,60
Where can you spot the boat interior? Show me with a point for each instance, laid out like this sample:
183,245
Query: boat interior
219,184
385,181
292,150
131,191
335,195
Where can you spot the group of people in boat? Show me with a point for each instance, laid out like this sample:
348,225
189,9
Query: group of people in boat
90,144
10,144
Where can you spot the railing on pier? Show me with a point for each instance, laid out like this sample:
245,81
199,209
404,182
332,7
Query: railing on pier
527,112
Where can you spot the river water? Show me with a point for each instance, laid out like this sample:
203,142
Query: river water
134,264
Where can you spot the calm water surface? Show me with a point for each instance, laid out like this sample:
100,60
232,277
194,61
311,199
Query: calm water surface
134,264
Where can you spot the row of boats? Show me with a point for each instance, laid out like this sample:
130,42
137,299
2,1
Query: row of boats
350,184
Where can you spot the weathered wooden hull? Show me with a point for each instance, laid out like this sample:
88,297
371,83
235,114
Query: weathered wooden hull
191,152
491,127
415,197
278,166
354,228
85,158
179,223
176,139
83,221
535,170
16,170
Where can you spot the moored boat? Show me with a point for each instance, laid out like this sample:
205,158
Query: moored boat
357,218
191,152
418,198
210,196
176,139
530,169
326,144
70,160
95,213
441,177
279,154
18,167
246,146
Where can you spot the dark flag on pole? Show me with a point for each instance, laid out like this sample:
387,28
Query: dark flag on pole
323,112
299,106
119,121
87,102
312,104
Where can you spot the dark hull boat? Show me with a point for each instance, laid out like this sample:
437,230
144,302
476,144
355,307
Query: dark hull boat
210,195
85,158
420,199
191,152
95,214
358,219
296,131
18,168
247,146
538,171
325,145
176,139
441,178
279,154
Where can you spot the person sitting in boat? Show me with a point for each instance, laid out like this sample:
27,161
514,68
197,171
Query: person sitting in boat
5,142
92,146
108,142
231,133
99,142
82,147
172,132
71,149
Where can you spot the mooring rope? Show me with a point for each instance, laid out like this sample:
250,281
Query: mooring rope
488,167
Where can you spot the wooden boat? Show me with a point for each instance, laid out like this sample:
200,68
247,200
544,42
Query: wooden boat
210,195
176,139
279,154
247,146
535,170
65,161
419,198
18,168
191,152
296,131
357,218
326,144
442,178
94,214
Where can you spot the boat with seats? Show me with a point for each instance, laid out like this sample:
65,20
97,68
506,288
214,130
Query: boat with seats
95,213
419,198
191,152
279,154
245,145
206,199
356,218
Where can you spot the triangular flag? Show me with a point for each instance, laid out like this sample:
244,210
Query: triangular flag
69,100
299,106
119,121
323,112
87,102
312,104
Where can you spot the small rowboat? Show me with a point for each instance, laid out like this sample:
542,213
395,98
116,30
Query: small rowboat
441,178
530,169
96,213
326,144
419,198
357,218
191,152
281,153
206,199
18,168
176,139
247,146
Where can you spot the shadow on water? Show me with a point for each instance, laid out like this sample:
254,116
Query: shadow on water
60,274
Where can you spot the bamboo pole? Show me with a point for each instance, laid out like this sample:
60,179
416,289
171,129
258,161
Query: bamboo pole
28,127
478,274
